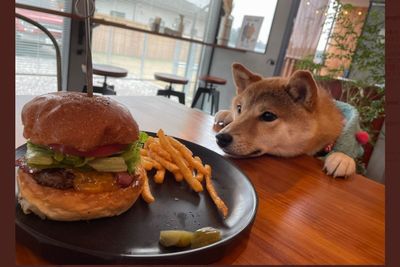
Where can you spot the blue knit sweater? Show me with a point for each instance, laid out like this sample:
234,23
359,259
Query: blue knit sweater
347,142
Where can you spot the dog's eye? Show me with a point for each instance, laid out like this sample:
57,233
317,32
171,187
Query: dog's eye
239,108
268,116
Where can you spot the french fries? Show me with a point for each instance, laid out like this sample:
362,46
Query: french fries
199,174
181,147
196,185
147,165
146,193
165,153
165,163
156,148
143,152
178,176
214,196
187,154
159,176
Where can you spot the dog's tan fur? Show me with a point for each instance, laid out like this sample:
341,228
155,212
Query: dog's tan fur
307,118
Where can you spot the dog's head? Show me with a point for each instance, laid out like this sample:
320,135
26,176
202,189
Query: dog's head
270,115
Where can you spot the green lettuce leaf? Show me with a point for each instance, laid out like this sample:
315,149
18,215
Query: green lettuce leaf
42,157
132,154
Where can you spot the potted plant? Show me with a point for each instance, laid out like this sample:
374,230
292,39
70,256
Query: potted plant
359,76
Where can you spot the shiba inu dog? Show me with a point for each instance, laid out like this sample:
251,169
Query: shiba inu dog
285,117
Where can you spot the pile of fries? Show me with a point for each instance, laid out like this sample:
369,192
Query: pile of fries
168,154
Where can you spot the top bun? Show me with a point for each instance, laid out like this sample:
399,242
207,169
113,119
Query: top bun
76,120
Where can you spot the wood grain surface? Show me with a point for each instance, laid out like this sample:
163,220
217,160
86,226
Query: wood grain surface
303,217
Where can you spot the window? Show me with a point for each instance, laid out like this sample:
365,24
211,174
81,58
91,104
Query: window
326,30
35,61
141,13
57,5
144,54
117,14
342,19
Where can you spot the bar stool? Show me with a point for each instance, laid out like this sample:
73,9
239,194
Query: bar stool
209,89
171,79
106,71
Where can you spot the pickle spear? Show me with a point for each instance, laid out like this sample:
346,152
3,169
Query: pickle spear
205,236
175,238
200,238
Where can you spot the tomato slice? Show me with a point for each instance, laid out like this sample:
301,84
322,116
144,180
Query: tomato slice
101,151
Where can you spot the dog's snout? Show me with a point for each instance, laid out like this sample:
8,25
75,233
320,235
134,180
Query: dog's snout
224,139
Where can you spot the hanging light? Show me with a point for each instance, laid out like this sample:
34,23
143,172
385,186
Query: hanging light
316,11
359,13
308,3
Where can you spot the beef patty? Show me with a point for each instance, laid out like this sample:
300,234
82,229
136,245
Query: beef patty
57,178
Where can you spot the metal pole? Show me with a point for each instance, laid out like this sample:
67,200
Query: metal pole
89,66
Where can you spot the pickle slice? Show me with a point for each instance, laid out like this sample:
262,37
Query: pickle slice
175,238
205,236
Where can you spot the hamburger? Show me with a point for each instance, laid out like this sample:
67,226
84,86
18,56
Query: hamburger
82,160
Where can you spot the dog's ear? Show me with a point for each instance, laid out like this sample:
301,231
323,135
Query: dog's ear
243,77
303,89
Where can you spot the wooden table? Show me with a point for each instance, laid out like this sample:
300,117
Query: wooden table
304,216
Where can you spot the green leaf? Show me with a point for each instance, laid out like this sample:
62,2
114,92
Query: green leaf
143,137
132,154
41,157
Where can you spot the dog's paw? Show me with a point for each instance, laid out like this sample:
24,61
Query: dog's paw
339,164
221,119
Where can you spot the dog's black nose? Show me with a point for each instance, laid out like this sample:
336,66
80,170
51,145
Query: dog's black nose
224,139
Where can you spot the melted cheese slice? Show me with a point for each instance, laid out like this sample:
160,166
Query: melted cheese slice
95,182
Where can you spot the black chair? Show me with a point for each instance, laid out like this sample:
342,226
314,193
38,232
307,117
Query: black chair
209,89
106,71
169,91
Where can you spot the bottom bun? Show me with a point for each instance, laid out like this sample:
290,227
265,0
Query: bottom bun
71,205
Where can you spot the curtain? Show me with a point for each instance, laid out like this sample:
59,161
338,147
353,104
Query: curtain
306,33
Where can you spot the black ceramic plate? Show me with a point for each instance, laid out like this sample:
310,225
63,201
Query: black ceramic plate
133,236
